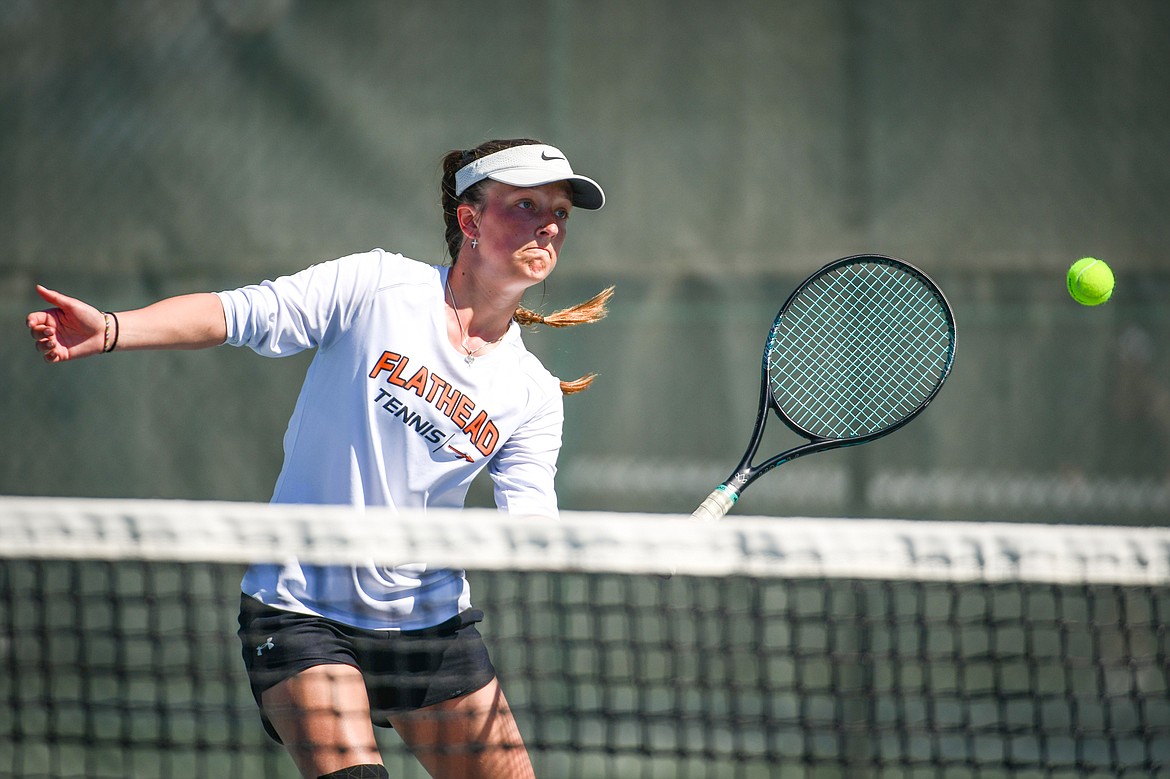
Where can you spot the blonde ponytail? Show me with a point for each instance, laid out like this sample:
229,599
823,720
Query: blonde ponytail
577,385
592,310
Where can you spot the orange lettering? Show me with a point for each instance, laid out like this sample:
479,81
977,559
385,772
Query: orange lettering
447,400
437,385
417,382
488,438
462,411
395,376
474,426
385,363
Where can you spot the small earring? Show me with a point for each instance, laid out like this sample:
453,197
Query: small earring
474,242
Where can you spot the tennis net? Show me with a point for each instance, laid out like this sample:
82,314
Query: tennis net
628,645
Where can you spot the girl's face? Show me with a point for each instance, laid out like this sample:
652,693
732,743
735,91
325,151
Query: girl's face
520,229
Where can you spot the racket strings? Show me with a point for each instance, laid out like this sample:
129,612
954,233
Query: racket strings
862,385
862,388
860,349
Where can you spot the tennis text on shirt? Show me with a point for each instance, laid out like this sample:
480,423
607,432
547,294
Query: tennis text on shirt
438,392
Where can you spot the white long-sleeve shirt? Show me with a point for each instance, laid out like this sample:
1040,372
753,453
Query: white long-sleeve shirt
390,414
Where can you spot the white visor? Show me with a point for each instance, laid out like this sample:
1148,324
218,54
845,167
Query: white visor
530,166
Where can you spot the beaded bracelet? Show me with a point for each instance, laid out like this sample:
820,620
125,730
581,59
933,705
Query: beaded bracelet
107,345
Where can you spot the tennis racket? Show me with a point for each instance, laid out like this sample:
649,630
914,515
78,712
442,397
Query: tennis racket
859,349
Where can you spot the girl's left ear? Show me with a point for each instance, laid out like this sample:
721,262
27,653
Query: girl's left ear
467,217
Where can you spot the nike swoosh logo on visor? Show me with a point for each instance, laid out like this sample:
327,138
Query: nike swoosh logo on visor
544,156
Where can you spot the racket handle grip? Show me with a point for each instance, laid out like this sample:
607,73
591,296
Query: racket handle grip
716,505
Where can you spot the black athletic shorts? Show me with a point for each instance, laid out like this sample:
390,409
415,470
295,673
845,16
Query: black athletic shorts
403,670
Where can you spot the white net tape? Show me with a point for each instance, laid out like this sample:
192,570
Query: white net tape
585,541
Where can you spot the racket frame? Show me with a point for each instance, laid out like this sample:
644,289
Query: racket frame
723,497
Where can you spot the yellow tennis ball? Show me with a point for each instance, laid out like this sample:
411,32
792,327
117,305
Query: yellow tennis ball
1090,281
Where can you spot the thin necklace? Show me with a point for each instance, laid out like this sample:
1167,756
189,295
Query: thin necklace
470,358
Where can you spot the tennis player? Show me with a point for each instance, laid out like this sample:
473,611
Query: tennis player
420,381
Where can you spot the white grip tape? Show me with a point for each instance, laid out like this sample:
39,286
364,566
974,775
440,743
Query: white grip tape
716,505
